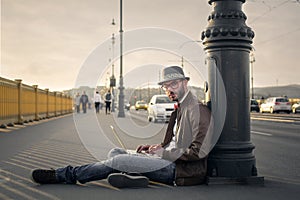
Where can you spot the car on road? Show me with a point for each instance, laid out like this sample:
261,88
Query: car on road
296,107
276,104
127,106
254,105
160,108
141,105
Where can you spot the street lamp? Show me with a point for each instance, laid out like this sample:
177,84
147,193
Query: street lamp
112,78
252,60
121,87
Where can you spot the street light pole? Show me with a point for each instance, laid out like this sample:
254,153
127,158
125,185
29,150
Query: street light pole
252,60
112,78
121,112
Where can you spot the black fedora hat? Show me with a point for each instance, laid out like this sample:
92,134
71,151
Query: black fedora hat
172,73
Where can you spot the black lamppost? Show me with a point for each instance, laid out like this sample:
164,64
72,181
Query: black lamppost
252,60
227,40
112,78
121,112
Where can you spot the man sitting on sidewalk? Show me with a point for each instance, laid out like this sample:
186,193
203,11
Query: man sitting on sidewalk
177,160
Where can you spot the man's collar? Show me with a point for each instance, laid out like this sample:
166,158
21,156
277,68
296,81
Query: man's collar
183,98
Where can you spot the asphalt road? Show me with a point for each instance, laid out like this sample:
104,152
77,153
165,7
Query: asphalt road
277,149
56,142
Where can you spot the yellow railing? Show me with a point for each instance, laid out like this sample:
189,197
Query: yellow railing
21,103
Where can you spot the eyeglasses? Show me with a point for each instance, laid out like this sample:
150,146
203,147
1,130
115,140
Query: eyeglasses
173,85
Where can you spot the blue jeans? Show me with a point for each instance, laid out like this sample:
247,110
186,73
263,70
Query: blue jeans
156,169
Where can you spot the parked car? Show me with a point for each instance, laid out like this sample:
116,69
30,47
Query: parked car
141,105
276,104
127,106
160,108
296,107
254,105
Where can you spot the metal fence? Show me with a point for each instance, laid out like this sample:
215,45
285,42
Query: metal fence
20,103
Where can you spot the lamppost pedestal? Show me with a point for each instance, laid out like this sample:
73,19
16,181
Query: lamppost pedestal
227,40
112,85
121,112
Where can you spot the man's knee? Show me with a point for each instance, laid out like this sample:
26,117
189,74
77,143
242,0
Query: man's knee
116,151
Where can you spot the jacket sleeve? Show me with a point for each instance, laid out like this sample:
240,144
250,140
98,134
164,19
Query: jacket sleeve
195,127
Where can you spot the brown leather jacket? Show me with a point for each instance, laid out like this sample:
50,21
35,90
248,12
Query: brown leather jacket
193,120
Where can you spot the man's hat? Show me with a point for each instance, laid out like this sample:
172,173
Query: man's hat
172,73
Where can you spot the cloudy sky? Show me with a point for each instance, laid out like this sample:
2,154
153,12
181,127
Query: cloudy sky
47,42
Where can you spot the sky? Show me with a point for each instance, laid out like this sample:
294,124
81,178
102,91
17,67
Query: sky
50,42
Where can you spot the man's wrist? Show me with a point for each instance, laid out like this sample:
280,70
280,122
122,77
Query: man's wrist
159,152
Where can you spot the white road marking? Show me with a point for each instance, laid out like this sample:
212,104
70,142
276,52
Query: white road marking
273,119
261,133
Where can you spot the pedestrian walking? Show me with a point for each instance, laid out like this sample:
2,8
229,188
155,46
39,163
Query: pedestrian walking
97,100
108,98
77,102
84,99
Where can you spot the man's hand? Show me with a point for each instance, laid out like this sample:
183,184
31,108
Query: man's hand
156,149
143,148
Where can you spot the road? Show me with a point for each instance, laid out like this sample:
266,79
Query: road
277,141
56,142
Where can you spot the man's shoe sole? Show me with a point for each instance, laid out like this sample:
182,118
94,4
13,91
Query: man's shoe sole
121,180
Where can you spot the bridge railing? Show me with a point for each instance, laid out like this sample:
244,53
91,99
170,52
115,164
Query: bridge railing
20,103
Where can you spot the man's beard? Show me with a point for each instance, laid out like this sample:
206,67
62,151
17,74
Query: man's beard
172,96
180,94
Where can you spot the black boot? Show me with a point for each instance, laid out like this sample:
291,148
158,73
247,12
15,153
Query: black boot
44,176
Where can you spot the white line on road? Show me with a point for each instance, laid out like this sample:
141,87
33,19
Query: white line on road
117,137
261,133
272,119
